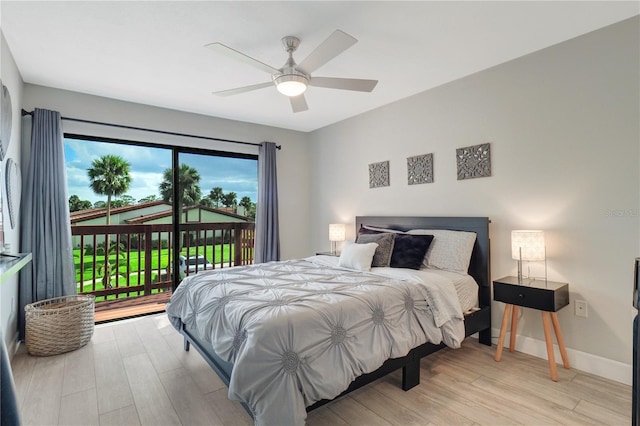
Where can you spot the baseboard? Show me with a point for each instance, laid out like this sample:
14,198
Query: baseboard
594,364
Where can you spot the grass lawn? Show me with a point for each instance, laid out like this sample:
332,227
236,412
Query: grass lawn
136,260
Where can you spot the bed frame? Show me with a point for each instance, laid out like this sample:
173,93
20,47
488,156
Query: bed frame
475,322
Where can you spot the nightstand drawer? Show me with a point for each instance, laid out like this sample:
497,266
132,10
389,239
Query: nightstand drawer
549,296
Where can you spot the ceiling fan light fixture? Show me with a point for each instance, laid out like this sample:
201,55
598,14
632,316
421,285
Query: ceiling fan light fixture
291,84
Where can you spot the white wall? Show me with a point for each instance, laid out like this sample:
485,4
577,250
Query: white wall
563,127
9,289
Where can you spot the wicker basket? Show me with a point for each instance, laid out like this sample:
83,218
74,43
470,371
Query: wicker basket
58,325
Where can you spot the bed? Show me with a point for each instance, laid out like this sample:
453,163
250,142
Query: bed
309,331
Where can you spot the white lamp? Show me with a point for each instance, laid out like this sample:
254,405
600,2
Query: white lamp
293,84
527,245
337,232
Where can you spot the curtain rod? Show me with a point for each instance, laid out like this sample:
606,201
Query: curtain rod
164,132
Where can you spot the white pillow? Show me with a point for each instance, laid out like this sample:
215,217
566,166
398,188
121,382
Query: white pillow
357,256
449,250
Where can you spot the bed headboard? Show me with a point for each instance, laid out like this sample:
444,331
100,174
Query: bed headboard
479,268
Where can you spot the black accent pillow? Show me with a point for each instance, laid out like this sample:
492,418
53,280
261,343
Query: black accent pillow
409,250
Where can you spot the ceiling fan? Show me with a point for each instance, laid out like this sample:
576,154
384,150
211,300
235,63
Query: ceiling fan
292,79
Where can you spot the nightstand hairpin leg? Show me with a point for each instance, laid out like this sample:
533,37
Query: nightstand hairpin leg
560,339
514,329
503,331
548,340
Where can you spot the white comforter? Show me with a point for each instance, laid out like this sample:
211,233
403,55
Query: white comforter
302,330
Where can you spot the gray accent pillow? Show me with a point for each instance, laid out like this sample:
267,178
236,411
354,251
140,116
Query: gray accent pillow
382,256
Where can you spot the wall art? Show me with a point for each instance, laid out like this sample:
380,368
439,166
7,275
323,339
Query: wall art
474,161
379,174
5,120
13,182
420,169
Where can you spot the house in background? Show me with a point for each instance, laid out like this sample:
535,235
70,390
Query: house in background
156,212
561,117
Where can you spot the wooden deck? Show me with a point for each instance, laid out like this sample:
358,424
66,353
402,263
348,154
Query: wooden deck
112,310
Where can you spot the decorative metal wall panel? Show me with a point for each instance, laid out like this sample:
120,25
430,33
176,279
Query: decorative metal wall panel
5,120
474,161
13,181
420,169
379,174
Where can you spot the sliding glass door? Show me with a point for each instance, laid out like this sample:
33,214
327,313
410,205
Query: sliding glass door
216,197
133,206
121,227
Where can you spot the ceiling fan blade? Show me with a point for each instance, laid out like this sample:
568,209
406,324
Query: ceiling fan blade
334,45
298,103
239,56
238,90
344,83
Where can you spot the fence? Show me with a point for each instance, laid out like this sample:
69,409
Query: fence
139,258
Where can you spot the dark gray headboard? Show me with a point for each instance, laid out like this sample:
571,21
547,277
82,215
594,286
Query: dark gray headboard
480,266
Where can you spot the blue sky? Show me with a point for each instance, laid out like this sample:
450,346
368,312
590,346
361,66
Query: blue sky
148,164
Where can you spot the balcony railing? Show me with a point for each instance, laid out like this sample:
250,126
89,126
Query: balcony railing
140,256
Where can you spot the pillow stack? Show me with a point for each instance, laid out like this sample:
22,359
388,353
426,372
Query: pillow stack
418,248
401,251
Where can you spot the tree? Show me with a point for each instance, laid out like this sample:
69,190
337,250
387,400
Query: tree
189,188
216,195
99,205
76,204
127,200
246,203
206,201
109,175
148,199
230,199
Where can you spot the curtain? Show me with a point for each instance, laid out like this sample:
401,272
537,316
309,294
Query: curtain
46,228
267,241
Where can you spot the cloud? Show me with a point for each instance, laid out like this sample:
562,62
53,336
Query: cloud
148,164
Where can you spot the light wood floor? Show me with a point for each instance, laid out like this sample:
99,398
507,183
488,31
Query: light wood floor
136,372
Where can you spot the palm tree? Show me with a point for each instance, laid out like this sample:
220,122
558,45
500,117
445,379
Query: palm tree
188,186
216,195
189,193
109,175
246,204
230,199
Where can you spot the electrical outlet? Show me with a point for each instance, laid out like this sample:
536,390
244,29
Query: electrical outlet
581,308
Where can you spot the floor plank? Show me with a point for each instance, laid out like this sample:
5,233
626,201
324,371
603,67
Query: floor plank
136,372
79,409
126,416
112,384
152,402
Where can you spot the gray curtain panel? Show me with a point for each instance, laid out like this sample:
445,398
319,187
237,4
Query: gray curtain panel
267,241
46,228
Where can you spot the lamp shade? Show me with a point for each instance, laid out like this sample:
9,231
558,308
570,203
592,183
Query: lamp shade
337,232
291,84
529,244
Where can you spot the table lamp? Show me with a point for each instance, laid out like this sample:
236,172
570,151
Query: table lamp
337,232
527,245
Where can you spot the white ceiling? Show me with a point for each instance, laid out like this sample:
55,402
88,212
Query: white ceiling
152,52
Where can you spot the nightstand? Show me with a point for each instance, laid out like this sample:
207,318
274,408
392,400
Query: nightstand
546,296
328,253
